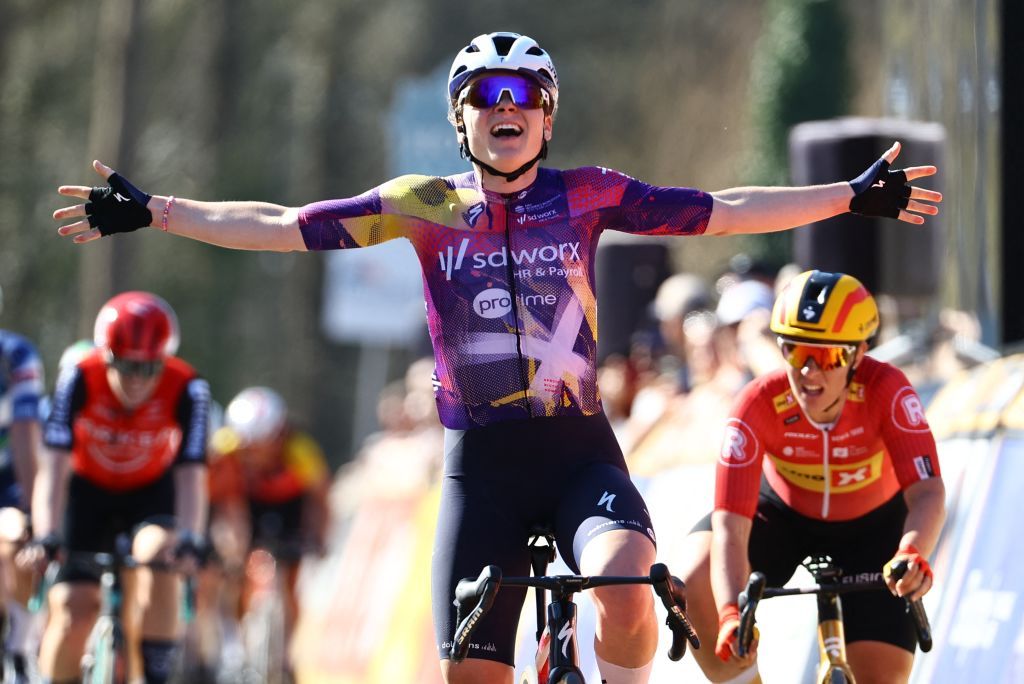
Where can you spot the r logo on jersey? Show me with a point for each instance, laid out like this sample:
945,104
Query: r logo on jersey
739,446
908,411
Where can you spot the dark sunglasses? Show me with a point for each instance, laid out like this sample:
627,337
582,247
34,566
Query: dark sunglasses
826,356
143,369
488,91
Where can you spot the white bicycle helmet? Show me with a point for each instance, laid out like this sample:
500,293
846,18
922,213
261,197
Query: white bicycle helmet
256,414
75,353
501,51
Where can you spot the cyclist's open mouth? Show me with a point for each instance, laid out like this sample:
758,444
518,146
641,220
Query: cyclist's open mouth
506,130
812,390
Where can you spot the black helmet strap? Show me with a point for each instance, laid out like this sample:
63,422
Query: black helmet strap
509,176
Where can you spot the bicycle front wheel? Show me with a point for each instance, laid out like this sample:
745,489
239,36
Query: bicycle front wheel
529,676
571,678
836,675
102,663
263,635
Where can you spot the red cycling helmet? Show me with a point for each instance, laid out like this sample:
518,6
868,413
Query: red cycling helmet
137,326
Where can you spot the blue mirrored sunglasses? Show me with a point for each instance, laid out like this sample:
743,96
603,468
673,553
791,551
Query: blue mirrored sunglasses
489,90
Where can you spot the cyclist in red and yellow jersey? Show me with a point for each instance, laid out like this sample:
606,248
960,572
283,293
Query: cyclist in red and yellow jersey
832,455
127,439
268,486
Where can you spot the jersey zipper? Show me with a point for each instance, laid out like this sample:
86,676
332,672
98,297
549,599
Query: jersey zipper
825,499
509,261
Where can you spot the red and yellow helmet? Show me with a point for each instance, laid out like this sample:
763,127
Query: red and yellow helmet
825,307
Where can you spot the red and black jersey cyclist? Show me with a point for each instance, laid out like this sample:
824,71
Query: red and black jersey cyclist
127,445
832,455
507,256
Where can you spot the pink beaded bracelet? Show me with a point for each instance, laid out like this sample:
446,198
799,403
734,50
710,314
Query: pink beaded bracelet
167,211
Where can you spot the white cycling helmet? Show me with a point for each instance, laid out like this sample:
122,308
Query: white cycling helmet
75,353
256,414
501,51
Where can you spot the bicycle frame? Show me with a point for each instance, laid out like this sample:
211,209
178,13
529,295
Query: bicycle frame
103,661
540,556
263,626
832,668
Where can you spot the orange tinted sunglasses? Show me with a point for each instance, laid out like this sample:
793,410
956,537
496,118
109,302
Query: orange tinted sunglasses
826,356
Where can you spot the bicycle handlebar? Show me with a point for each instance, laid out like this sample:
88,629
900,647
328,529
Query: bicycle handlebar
670,589
748,600
756,590
484,588
915,608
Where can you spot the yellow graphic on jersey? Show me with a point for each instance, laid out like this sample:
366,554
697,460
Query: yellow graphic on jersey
856,392
300,455
783,402
428,198
304,458
224,441
843,477
420,197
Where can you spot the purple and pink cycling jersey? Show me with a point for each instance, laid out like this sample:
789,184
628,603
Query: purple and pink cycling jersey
508,279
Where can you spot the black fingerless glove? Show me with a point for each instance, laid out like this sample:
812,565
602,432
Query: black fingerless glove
880,192
191,545
118,208
50,544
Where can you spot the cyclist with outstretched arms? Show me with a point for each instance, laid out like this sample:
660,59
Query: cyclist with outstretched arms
507,254
21,394
126,442
830,455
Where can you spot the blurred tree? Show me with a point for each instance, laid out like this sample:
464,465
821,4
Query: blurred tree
112,128
800,72
285,101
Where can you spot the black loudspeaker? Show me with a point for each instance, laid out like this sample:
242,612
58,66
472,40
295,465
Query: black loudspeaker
628,276
888,256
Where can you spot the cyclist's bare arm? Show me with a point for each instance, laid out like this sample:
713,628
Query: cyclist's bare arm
739,211
315,516
49,492
926,513
769,209
190,499
729,565
238,225
26,443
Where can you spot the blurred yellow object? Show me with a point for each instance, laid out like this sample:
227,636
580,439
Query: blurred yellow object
224,441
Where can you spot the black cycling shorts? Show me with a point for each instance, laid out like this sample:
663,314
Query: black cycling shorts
277,527
781,538
500,481
10,491
96,516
